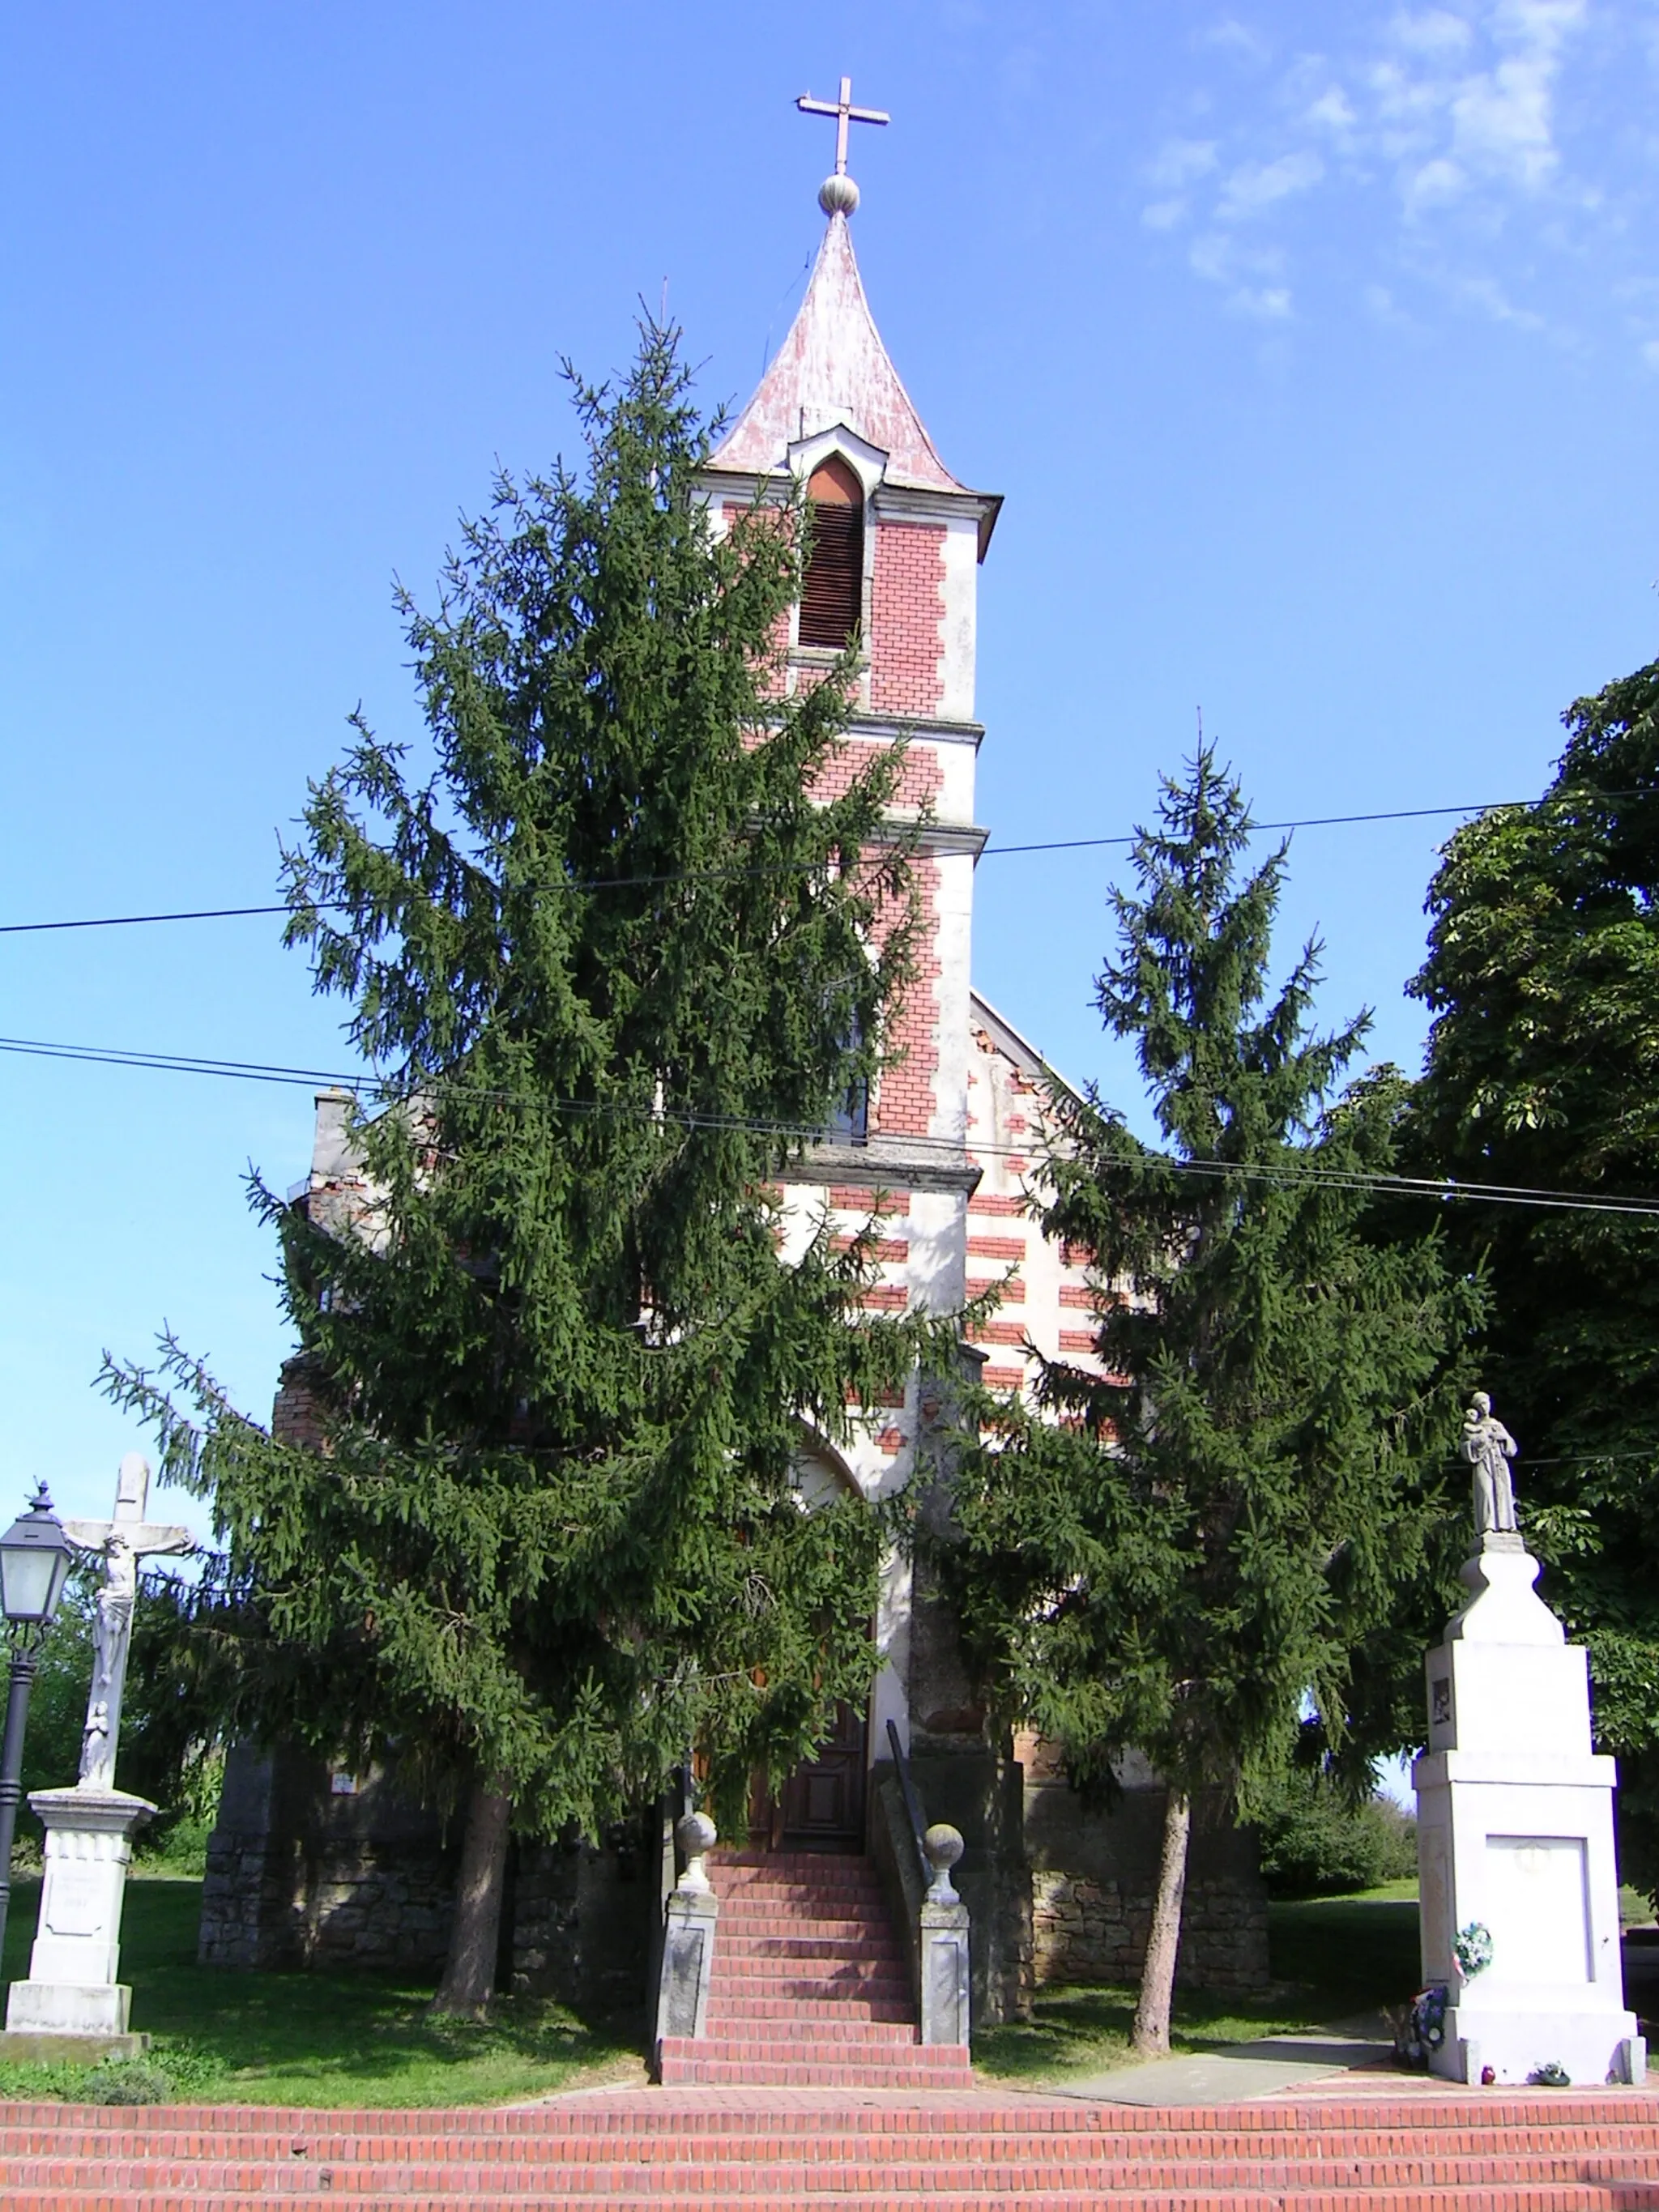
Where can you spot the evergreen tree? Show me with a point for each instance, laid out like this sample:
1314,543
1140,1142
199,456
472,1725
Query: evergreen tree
1177,1552
615,961
1543,1073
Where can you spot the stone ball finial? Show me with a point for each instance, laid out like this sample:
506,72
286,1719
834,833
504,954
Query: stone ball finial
696,1835
944,1846
838,195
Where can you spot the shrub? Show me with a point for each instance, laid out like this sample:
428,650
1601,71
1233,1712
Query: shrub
1315,1841
125,2081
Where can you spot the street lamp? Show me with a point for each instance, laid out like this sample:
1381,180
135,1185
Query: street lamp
34,1561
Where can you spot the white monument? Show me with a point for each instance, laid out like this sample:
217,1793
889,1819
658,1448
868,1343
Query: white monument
1519,1888
72,1989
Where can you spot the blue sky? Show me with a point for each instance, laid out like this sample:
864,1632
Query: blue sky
1315,348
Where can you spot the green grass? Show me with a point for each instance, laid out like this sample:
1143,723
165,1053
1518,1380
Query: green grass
1330,1957
322,2040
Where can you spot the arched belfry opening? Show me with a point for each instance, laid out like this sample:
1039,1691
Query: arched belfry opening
832,587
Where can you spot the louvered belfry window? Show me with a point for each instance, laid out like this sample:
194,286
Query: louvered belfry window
832,590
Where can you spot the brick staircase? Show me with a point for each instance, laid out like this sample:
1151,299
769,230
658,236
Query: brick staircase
809,1987
708,2150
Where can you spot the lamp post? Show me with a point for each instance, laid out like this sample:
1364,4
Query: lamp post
34,1561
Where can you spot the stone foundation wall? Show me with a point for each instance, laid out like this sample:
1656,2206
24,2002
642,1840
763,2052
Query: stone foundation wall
301,1875
1084,1930
583,1921
1094,1878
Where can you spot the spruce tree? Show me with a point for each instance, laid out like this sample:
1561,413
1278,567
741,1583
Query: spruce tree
1178,1551
614,960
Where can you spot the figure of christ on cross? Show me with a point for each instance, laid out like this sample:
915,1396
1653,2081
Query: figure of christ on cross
844,113
122,1542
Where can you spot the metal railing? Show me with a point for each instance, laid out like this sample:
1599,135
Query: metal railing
912,1803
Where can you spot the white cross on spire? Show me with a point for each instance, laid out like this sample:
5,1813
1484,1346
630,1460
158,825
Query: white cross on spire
844,113
838,194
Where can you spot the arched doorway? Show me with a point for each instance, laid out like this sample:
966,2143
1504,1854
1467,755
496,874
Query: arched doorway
821,1807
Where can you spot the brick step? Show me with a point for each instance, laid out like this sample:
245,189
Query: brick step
946,2131
421,2167
873,2035
876,1948
728,2005
785,2182
775,1920
788,2073
837,1904
786,1882
833,1987
854,1875
880,2038
882,2197
846,1908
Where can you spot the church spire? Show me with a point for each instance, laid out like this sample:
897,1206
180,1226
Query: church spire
832,368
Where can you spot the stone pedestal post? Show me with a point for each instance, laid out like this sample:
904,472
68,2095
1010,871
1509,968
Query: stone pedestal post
72,1990
1520,1893
942,1943
687,1947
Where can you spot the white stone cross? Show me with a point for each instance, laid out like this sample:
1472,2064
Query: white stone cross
123,1542
844,113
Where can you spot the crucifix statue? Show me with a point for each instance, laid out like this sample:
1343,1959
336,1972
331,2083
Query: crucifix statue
123,1542
838,194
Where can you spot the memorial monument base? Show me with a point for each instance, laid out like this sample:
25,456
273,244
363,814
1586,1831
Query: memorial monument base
1517,2042
1518,1884
19,2047
72,1989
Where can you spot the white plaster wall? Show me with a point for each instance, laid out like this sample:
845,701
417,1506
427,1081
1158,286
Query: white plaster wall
958,625
953,944
957,761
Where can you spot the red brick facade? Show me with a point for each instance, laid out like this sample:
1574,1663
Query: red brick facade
906,614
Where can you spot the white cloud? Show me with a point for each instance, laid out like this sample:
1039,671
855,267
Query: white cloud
1434,30
1181,161
1254,186
1433,185
1486,293
1250,275
1496,123
1382,308
1331,110
1233,37
1452,110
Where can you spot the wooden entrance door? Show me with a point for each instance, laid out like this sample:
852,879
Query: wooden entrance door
822,1805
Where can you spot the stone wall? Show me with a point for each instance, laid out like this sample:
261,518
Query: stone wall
583,1921
302,1874
1094,1877
1084,1930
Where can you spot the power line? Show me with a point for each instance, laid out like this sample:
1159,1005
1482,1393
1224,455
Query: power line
1288,1175
736,875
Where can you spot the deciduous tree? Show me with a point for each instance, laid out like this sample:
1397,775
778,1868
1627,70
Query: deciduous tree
1542,1074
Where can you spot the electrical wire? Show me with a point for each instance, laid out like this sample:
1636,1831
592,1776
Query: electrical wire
1289,1173
990,852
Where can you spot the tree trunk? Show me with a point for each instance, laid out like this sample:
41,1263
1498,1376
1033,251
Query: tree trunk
469,1979
1150,2039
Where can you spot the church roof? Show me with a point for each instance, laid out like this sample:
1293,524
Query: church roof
833,368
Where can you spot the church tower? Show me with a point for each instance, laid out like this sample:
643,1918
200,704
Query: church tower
896,541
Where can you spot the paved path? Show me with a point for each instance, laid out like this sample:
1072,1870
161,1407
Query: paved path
1233,2072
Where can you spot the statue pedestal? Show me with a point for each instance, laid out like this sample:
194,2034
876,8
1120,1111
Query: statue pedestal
1515,1833
71,1989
